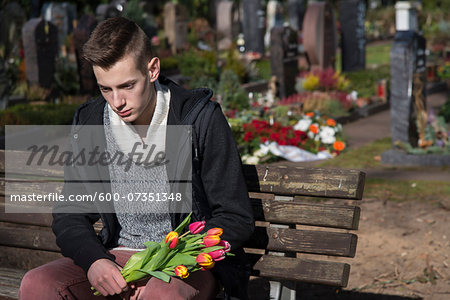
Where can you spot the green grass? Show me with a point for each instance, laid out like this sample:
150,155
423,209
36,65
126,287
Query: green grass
376,55
360,158
406,190
263,67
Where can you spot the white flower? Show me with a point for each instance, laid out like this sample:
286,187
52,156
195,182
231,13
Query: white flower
303,124
252,160
327,135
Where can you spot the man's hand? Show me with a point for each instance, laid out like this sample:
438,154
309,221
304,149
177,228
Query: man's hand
105,277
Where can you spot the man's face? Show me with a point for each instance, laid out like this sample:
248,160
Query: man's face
130,93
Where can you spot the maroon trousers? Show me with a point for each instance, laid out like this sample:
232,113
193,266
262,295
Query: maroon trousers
62,279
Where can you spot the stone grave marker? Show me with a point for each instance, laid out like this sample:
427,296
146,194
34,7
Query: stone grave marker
353,38
110,10
4,86
319,35
175,26
81,34
228,24
408,88
62,15
296,11
40,42
253,25
12,18
283,59
274,17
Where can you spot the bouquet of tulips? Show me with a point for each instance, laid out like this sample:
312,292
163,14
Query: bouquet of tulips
178,255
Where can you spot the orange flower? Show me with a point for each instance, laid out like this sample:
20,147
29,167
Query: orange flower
205,260
310,114
331,122
181,271
339,146
314,129
215,231
172,238
211,240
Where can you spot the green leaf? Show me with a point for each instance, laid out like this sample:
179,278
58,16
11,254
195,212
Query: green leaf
158,274
134,262
135,275
181,259
156,261
183,224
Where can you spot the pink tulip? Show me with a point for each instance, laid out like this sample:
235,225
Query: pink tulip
217,254
226,246
196,227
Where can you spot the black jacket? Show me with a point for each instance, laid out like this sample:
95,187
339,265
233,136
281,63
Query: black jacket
219,193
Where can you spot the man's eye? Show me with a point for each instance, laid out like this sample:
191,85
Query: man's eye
104,89
129,86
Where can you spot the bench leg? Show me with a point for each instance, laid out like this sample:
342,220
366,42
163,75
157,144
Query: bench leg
284,290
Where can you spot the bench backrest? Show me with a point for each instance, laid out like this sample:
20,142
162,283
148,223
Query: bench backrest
295,236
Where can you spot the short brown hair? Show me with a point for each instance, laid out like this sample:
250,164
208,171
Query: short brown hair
112,39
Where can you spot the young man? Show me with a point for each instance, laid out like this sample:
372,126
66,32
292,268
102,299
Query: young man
137,99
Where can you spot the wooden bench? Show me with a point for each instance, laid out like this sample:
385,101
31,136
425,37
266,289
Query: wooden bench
297,238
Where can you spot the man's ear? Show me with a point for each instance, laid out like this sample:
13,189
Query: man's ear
154,69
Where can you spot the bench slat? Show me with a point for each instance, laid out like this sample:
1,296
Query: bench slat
281,180
28,238
287,268
26,259
292,212
306,241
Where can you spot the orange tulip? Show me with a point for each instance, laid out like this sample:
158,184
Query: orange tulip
181,271
339,146
172,238
215,231
314,129
205,260
331,122
310,114
211,240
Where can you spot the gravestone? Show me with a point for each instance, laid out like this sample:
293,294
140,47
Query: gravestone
408,87
81,34
175,26
274,17
12,18
353,38
106,11
4,86
296,11
40,42
253,25
62,15
228,23
319,35
283,59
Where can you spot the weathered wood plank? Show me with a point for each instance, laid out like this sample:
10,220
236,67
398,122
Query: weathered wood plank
292,212
306,241
28,238
44,168
10,282
333,183
37,219
26,259
287,268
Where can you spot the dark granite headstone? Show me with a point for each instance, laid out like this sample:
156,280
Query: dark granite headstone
106,11
353,38
4,86
296,10
62,16
12,18
408,81
81,34
175,26
319,35
274,17
228,22
283,59
253,23
40,41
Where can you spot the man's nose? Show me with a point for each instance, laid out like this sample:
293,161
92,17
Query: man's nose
118,99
